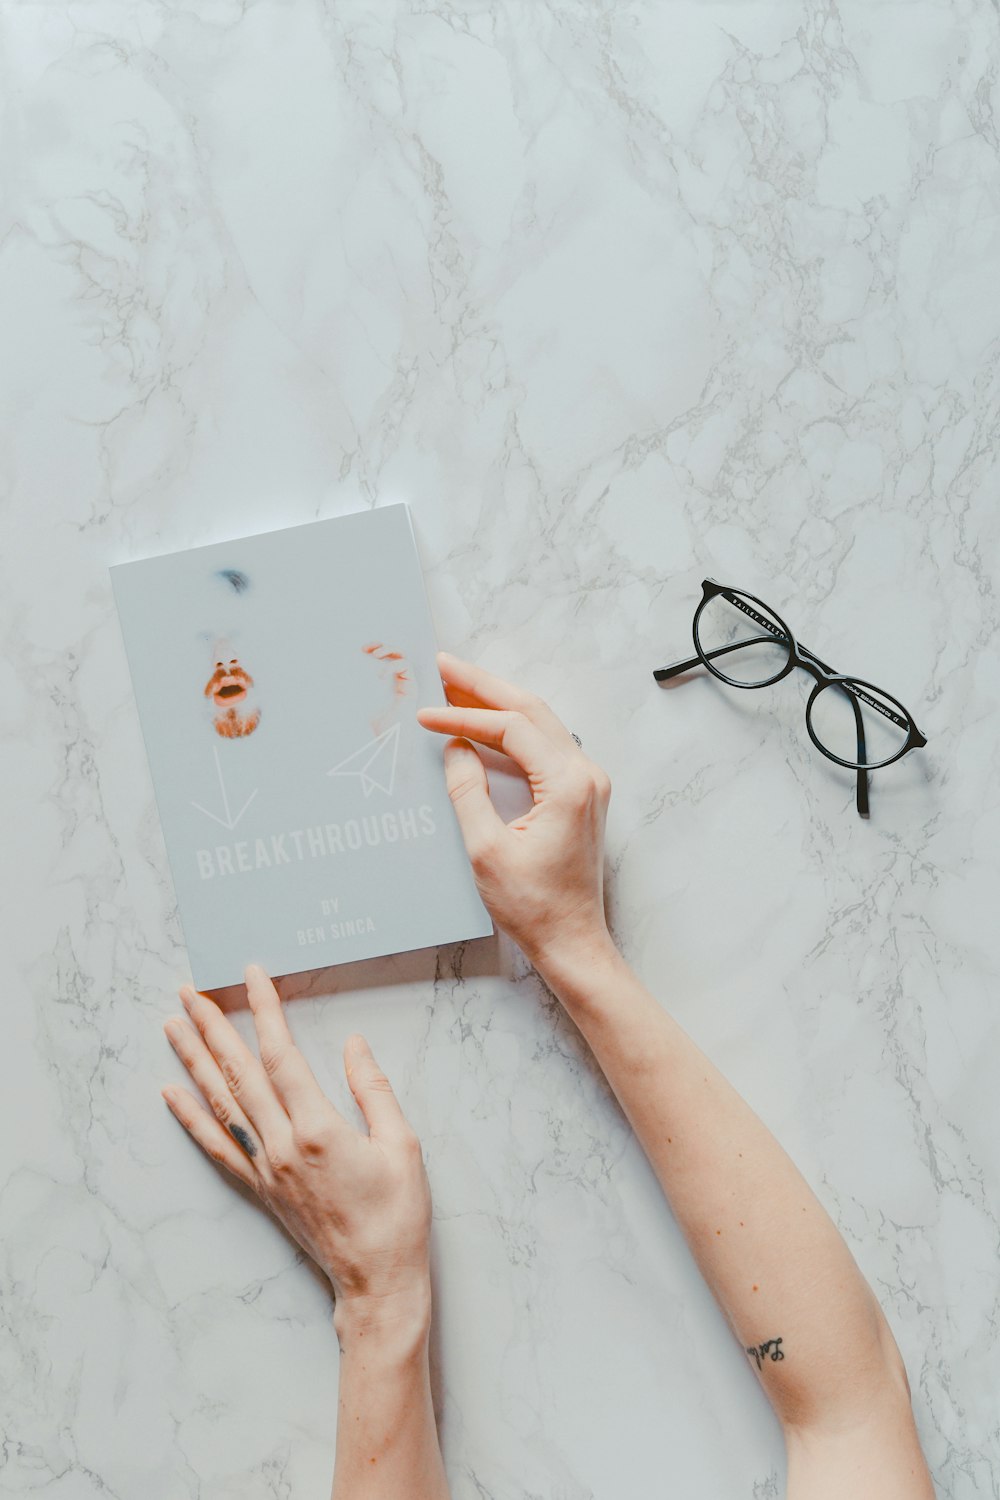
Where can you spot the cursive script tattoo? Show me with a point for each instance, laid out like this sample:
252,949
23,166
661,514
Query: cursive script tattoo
761,1351
244,1139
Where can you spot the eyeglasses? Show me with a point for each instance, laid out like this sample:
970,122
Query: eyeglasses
850,721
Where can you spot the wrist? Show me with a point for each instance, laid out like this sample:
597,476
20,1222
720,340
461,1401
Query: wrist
396,1324
578,971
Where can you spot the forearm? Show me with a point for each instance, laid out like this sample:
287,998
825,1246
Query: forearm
387,1444
771,1255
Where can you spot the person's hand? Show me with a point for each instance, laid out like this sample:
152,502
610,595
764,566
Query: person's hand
358,1203
541,877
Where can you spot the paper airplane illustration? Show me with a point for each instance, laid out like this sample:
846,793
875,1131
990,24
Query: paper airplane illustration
375,763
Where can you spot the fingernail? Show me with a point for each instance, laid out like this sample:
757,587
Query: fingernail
187,1000
254,971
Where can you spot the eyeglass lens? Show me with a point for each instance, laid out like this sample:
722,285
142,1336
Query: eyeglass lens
834,718
763,646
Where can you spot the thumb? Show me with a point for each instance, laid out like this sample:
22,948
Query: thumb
469,791
371,1088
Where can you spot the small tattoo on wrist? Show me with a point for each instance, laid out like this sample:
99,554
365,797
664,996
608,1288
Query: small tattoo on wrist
244,1140
760,1352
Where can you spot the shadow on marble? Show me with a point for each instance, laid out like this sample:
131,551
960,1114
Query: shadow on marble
475,958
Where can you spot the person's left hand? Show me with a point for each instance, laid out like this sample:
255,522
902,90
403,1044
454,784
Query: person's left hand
358,1203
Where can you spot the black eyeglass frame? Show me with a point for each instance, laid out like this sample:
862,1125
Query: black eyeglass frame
799,656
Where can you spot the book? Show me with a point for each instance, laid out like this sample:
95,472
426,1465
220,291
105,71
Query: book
304,809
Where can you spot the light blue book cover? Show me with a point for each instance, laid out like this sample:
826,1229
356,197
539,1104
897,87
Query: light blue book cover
305,811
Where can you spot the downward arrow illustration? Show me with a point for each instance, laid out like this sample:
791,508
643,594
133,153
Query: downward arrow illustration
228,821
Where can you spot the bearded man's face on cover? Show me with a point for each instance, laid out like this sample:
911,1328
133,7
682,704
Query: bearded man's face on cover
229,689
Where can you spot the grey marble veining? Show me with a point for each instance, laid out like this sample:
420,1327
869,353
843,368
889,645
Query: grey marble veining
615,295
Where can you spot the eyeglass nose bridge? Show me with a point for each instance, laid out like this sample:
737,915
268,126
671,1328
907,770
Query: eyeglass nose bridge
811,665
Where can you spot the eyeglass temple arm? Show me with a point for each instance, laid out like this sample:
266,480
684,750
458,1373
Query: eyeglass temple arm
675,668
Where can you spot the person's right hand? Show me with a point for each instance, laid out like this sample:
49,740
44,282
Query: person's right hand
357,1201
541,877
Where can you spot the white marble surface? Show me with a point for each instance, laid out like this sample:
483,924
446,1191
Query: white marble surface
616,295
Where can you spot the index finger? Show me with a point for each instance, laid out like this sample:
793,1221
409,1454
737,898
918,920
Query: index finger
291,1076
471,686
502,729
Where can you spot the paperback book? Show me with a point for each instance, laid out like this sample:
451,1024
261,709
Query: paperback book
304,809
